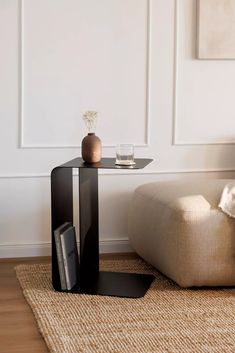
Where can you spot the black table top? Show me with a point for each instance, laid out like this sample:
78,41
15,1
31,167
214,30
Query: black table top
106,163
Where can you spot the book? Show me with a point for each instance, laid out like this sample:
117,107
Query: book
57,234
70,256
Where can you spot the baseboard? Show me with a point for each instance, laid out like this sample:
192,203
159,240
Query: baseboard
115,246
44,249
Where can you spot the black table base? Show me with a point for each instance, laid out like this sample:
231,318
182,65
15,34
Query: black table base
91,280
118,284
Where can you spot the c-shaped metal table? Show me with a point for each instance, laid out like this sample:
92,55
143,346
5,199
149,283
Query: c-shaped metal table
91,280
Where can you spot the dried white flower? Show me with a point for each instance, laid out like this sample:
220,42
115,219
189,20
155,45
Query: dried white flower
90,118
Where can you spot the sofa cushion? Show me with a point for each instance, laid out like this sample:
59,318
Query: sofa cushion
177,227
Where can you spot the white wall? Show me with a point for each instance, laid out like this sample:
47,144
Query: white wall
133,61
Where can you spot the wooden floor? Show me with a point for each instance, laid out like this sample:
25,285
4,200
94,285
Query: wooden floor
18,328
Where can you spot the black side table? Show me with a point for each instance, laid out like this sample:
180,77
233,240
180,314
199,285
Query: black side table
91,280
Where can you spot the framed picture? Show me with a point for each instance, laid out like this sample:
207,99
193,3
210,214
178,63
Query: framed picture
216,29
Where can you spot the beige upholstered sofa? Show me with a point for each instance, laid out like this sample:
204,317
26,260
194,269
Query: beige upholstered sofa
177,227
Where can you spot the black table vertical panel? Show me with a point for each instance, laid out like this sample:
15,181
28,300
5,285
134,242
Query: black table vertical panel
61,210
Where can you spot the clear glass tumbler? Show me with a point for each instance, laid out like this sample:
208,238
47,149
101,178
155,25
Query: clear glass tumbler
125,154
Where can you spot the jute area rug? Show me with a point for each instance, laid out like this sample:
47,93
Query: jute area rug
168,319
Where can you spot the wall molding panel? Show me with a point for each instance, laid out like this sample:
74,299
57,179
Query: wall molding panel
176,78
23,144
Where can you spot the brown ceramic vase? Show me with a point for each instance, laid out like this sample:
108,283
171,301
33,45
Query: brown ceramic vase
91,148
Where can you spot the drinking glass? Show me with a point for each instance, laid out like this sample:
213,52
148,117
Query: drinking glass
125,154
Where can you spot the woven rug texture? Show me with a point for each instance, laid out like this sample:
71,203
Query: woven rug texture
168,319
